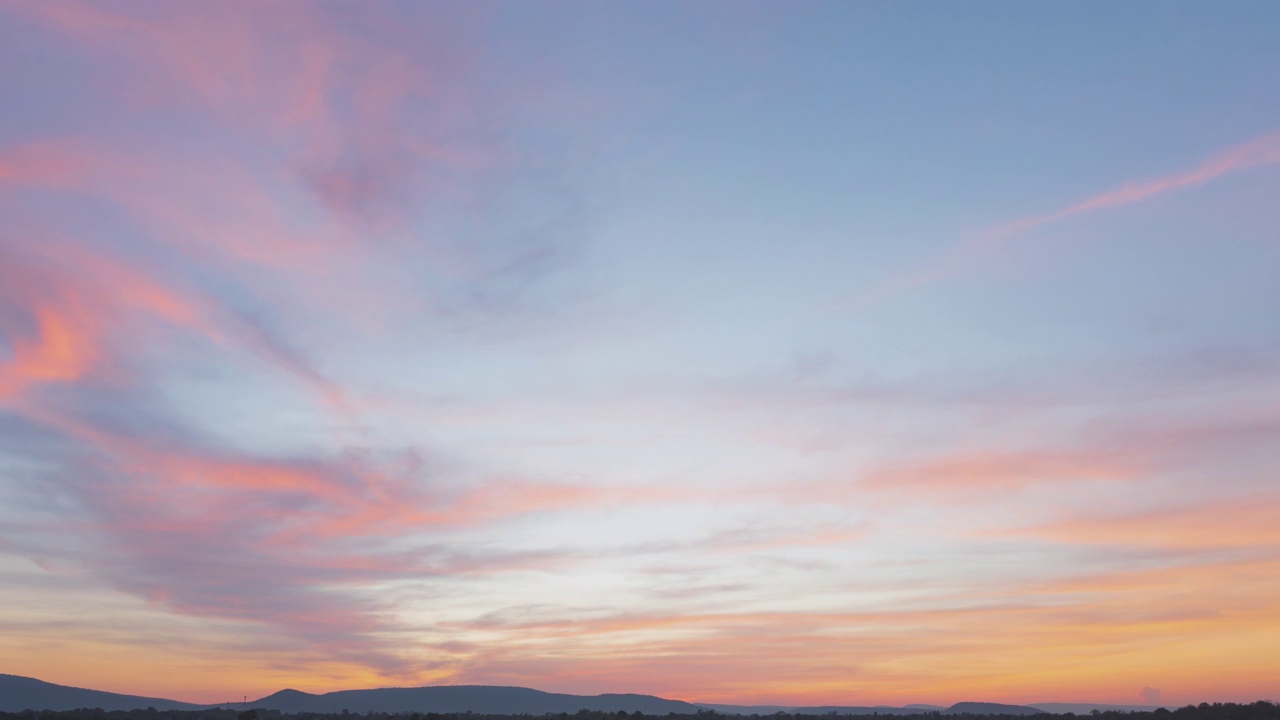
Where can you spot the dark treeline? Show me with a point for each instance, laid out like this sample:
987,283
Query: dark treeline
1260,710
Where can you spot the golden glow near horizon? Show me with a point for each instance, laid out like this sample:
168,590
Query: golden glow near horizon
780,353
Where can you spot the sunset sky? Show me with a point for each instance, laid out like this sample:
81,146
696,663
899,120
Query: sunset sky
759,352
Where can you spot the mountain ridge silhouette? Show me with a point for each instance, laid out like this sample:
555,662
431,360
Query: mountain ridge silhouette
19,693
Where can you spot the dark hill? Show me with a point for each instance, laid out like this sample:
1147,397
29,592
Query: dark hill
985,708
23,693
483,699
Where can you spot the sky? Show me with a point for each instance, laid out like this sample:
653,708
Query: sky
759,352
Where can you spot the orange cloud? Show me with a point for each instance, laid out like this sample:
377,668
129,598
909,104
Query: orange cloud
1013,655
1091,640
1238,524
1001,470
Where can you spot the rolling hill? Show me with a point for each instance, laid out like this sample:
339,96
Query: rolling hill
23,693
461,698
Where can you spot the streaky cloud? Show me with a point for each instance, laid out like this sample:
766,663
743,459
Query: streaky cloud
963,257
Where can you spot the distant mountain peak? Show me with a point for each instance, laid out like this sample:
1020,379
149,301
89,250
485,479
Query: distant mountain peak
289,693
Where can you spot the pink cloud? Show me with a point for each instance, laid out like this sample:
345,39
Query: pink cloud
1260,152
47,164
1204,526
373,117
249,63
61,321
242,226
319,137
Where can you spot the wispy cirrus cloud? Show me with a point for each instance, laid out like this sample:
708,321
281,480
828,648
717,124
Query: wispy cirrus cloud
284,543
1022,633
323,139
964,256
1259,152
